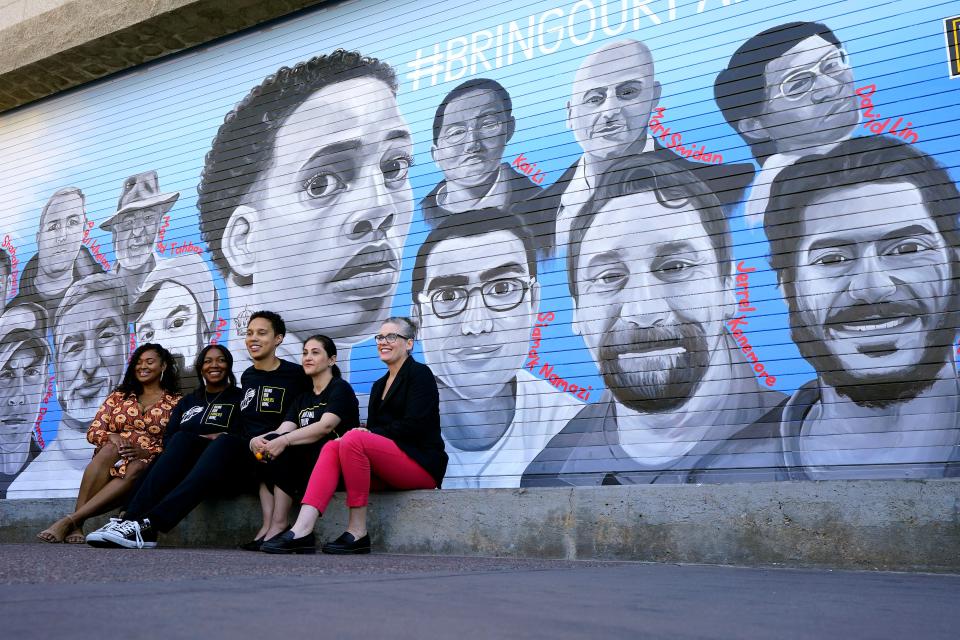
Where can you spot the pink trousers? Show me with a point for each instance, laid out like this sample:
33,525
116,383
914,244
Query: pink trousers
366,461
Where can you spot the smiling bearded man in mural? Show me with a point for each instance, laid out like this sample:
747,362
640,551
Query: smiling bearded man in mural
865,244
613,95
476,298
176,307
61,258
305,200
649,266
788,91
471,129
90,351
24,358
135,226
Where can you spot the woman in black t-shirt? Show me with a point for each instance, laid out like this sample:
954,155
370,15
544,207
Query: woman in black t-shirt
323,413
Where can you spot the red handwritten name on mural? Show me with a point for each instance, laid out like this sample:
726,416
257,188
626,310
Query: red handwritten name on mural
878,126
546,369
735,324
14,264
161,234
530,170
94,245
675,140
38,433
221,327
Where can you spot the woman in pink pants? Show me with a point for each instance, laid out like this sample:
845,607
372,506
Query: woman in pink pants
400,448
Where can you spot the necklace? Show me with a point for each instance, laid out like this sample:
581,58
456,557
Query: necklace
207,398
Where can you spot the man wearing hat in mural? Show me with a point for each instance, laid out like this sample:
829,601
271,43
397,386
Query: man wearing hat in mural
61,258
305,201
24,358
90,351
176,308
135,225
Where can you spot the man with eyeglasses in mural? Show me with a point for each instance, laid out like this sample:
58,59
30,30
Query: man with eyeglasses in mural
788,91
471,129
866,246
135,226
305,201
61,258
476,298
90,352
650,270
24,358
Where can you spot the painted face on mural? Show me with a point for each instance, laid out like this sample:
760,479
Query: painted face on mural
474,134
332,213
134,234
476,311
614,93
650,304
872,304
22,380
173,319
4,284
90,351
810,97
61,234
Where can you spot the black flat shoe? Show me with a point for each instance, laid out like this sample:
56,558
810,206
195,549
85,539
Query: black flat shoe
347,544
286,543
253,545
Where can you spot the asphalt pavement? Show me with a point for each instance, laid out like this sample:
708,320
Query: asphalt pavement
64,591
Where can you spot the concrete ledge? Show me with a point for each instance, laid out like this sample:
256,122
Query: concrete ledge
891,525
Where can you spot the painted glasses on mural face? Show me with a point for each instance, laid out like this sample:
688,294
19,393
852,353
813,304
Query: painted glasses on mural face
473,137
90,353
477,309
135,232
336,210
872,295
810,96
22,381
60,234
649,304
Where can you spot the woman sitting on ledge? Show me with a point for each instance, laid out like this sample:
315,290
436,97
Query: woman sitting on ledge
128,431
400,448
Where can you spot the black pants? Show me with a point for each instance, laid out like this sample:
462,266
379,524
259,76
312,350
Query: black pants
190,470
291,470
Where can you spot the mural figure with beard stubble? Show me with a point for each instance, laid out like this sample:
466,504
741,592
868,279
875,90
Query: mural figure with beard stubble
305,201
649,267
865,244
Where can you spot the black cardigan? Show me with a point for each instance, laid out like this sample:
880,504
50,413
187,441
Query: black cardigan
410,416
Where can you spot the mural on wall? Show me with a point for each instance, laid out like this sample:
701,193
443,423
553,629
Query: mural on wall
622,272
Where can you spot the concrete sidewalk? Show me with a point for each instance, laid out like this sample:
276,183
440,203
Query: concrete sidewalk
79,592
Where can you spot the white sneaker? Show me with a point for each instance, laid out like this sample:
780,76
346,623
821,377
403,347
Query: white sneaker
130,534
95,538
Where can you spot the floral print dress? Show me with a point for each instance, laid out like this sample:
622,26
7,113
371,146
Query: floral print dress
122,416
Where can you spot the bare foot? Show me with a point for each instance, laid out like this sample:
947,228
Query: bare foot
76,536
57,531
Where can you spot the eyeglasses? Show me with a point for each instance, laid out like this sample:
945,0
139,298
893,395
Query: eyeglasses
389,338
798,84
487,126
131,221
499,295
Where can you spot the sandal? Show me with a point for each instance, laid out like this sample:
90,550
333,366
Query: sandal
49,536
76,536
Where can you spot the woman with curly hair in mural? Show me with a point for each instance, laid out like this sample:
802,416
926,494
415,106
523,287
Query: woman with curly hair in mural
128,434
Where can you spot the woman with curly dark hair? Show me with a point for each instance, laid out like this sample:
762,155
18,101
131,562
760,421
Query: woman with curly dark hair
128,433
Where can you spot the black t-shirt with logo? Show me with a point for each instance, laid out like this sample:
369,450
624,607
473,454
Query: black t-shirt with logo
267,396
203,413
338,398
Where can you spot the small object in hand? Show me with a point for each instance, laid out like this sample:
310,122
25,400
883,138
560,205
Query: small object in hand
262,456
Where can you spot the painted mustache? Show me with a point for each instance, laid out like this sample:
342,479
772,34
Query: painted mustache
876,313
640,340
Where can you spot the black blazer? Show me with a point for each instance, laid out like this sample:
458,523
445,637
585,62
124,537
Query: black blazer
410,416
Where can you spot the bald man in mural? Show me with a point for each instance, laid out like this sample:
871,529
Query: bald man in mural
90,351
865,244
305,201
788,91
613,96
61,258
24,358
650,269
135,226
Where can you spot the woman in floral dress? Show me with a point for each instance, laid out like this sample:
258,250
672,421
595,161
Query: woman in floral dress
128,432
